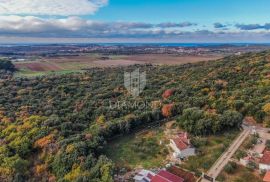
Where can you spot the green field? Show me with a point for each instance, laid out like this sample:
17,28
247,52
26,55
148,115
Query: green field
209,150
29,73
121,151
241,174
138,150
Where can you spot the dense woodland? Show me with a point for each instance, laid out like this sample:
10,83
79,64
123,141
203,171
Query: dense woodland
53,128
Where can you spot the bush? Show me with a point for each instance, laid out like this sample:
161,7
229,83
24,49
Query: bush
230,167
7,65
252,141
251,165
240,154
268,144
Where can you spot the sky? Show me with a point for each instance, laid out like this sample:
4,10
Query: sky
176,21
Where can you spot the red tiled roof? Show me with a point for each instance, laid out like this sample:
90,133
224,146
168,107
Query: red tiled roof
265,158
182,141
165,176
187,176
150,176
267,177
180,144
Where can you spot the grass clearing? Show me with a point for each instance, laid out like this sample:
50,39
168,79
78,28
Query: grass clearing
28,73
209,149
241,174
128,152
139,150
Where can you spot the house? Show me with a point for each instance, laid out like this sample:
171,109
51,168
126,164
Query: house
246,160
265,161
186,175
165,176
266,177
144,176
181,146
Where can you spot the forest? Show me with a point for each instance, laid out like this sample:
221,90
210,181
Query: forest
54,127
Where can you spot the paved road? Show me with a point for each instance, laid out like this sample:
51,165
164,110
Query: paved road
225,157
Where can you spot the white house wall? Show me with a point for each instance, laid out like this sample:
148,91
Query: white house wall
264,167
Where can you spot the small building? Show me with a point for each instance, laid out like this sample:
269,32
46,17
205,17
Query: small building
265,161
246,160
186,175
165,176
144,176
181,146
266,177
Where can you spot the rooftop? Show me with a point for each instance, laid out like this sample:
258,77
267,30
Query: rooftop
265,158
165,176
182,141
266,177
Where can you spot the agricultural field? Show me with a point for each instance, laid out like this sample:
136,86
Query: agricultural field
44,66
29,73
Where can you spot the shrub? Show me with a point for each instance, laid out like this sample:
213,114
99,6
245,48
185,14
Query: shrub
230,167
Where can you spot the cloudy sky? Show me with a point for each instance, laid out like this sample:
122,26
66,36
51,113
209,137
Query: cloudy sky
134,21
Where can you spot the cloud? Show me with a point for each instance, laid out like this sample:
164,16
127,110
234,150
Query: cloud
266,26
174,25
50,7
78,27
30,24
219,25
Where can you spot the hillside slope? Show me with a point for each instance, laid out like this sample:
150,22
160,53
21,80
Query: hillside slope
54,127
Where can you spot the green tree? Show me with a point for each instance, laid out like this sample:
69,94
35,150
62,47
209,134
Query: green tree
6,65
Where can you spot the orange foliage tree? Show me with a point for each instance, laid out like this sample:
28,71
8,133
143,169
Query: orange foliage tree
167,110
168,93
43,142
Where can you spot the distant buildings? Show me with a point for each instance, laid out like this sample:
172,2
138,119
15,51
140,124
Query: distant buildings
181,146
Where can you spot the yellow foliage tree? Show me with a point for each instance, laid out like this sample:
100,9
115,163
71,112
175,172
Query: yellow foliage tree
101,120
266,108
40,169
70,148
75,173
